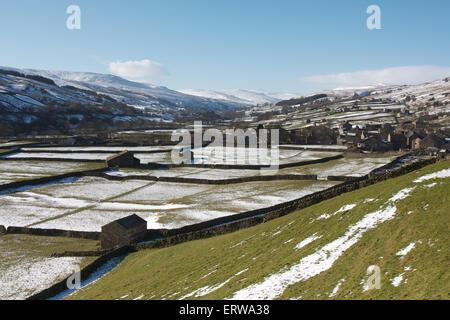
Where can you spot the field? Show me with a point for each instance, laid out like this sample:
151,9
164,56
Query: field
88,203
13,171
214,155
26,267
321,252
347,166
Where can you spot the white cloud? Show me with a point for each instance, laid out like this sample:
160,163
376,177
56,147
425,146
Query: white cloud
143,69
389,76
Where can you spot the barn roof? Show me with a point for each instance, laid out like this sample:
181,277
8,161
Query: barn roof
130,221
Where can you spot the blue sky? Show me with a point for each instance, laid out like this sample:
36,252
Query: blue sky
267,45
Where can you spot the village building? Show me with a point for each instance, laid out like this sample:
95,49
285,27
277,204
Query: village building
398,141
431,141
122,159
375,144
413,139
320,134
122,232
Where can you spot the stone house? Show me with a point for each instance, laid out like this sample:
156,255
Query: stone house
431,141
398,141
348,139
413,139
375,144
122,232
122,159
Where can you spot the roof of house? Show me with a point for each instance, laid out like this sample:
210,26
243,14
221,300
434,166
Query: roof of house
414,134
130,221
438,141
376,138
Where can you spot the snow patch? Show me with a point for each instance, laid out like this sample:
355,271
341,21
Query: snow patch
307,241
336,289
397,280
406,250
207,289
323,259
436,175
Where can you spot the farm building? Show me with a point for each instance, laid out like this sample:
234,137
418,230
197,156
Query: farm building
123,159
123,232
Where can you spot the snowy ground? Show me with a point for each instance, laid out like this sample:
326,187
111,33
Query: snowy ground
93,149
253,156
27,268
11,171
153,157
86,204
46,155
342,167
319,146
33,275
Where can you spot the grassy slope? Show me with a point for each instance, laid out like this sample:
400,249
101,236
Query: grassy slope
171,273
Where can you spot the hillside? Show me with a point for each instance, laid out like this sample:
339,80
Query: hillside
245,97
321,252
33,88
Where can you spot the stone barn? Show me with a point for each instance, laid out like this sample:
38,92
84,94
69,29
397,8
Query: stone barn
122,159
123,232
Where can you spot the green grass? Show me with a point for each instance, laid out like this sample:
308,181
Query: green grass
423,218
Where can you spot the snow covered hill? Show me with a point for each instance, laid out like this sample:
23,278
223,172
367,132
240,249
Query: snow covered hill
96,88
422,94
248,97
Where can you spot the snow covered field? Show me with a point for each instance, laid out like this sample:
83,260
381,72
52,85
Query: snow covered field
88,203
47,155
27,268
11,171
31,275
319,146
354,167
153,157
253,156
93,149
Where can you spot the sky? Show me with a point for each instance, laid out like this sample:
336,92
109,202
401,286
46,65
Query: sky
272,45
